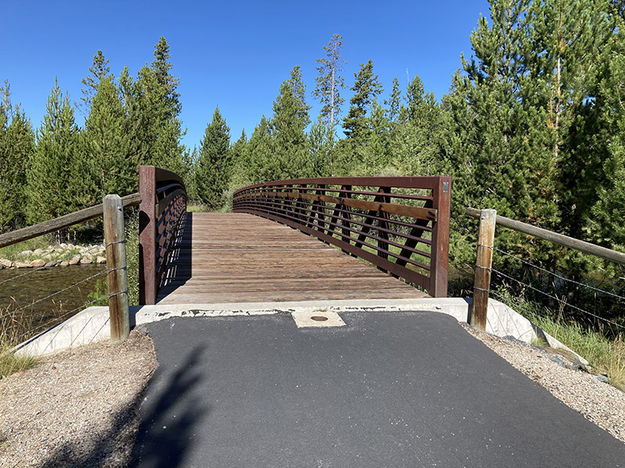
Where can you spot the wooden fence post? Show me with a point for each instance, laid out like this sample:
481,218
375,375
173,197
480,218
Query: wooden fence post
115,239
483,264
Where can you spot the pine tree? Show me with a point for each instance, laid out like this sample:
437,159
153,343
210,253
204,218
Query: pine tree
237,150
152,109
167,83
299,93
606,219
417,140
213,168
330,82
366,88
320,149
49,173
289,121
487,139
394,102
99,70
17,143
570,54
106,144
257,163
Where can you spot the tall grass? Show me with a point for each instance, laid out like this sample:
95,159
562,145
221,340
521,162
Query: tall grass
605,355
12,329
132,256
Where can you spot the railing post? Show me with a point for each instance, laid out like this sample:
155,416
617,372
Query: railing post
114,238
147,235
483,264
439,263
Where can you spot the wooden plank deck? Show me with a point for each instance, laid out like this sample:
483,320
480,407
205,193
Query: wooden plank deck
235,257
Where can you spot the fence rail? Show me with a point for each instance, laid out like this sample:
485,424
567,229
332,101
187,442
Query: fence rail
162,208
556,238
399,224
486,249
62,222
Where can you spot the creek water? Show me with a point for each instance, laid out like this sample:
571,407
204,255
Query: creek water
20,293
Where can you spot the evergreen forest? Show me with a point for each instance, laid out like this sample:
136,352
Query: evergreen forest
533,126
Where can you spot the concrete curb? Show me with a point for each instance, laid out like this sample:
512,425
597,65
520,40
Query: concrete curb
92,324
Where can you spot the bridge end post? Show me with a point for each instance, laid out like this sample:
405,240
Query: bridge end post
441,195
117,276
147,235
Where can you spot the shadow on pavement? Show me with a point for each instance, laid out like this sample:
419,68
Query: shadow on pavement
169,415
154,446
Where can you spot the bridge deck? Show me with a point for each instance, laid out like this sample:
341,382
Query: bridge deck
234,257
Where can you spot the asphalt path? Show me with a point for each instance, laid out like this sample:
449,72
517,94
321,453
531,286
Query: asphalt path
389,389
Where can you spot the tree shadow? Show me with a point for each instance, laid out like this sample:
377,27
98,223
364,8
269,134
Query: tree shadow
154,407
168,422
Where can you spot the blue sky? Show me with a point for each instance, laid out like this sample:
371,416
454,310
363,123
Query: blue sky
229,54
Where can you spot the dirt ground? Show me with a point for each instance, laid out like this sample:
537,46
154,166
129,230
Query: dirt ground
76,407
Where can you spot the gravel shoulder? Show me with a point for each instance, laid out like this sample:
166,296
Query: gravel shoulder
599,402
76,407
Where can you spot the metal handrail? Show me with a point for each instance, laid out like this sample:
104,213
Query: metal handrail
379,219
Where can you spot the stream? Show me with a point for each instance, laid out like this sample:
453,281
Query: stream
21,291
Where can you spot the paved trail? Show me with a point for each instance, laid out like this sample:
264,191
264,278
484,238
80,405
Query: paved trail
389,389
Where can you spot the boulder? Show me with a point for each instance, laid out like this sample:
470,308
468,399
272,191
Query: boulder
64,263
22,265
75,260
25,253
37,251
37,263
6,263
86,260
602,378
51,264
100,260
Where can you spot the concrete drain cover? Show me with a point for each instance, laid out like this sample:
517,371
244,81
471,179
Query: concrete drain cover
317,318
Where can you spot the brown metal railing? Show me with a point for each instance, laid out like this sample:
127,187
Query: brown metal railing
399,224
163,204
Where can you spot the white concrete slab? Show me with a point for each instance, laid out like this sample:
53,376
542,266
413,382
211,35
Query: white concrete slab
317,318
92,324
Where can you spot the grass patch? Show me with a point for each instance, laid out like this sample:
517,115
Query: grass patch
605,355
10,252
197,208
10,363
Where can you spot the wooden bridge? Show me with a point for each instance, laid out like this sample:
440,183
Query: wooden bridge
269,249
291,240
